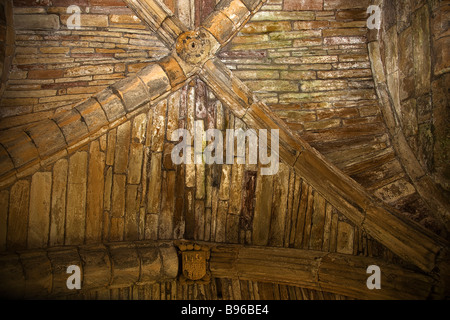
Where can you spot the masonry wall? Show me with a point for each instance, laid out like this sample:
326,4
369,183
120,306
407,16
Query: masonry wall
415,52
7,36
56,67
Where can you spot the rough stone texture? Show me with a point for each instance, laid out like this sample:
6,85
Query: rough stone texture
39,219
310,65
94,197
18,215
37,22
58,210
76,199
57,69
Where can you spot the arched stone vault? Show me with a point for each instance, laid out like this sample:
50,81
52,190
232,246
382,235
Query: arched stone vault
28,149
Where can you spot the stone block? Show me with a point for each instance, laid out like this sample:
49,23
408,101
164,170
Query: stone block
94,198
173,70
12,278
126,265
39,220
38,274
76,199
96,267
6,163
19,147
93,114
61,259
266,26
252,4
122,147
18,215
47,137
220,26
111,104
36,22
283,15
151,263
155,79
298,5
58,208
235,10
133,93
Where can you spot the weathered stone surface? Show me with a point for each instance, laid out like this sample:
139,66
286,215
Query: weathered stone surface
189,214
303,5
173,70
236,188
263,210
47,137
156,79
5,161
111,104
126,264
58,207
93,115
138,133
36,22
111,147
4,206
76,199
154,185
118,196
95,190
220,26
173,107
37,271
131,223
96,266
279,206
39,219
133,92
221,221
20,147
158,128
235,10
122,148
167,205
422,53
72,126
18,215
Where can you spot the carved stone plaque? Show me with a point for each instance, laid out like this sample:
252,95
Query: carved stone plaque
194,263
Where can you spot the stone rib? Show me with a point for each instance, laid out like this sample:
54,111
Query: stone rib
47,140
330,272
42,273
229,17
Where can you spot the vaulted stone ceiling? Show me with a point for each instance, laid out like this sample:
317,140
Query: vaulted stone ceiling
104,173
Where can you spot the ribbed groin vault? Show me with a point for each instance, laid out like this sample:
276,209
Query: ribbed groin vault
93,93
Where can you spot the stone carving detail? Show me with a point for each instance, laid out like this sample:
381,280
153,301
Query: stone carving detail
193,46
194,259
